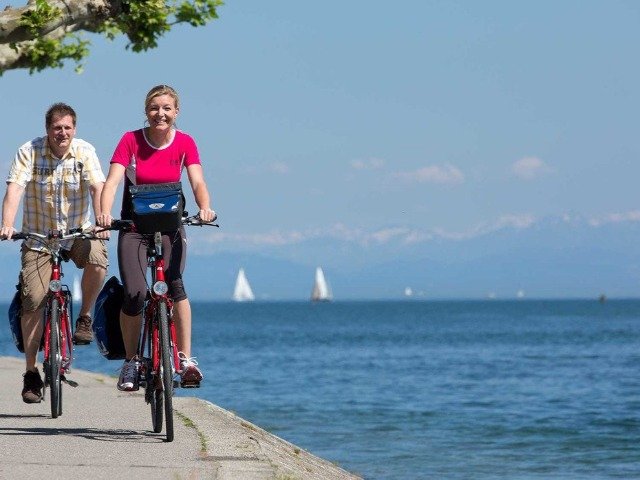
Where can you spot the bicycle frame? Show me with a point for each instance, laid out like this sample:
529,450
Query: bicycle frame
150,328
58,347
158,333
63,295
158,338
57,334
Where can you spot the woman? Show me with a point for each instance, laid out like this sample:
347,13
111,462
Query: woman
154,154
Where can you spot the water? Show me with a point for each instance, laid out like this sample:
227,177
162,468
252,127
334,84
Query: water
408,390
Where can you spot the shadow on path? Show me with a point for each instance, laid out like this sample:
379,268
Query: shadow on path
22,415
105,435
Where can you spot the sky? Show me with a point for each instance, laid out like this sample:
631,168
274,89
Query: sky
362,117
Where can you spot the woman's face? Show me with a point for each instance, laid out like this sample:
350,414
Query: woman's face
162,112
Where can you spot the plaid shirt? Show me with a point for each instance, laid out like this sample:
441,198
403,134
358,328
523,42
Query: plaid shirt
56,195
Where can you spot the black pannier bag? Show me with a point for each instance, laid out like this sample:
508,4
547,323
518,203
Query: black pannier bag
15,322
157,207
15,315
106,320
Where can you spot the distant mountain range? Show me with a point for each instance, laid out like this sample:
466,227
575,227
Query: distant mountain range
552,258
548,259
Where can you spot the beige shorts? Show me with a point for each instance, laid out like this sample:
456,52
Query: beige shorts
36,269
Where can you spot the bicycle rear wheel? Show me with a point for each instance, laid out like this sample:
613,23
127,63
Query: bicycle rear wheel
167,367
55,359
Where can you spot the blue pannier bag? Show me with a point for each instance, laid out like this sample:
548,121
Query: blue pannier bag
106,320
15,315
157,207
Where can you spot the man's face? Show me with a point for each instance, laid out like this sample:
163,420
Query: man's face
60,133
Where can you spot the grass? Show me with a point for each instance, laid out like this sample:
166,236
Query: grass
189,424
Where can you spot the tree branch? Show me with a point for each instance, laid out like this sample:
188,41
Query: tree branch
74,14
41,35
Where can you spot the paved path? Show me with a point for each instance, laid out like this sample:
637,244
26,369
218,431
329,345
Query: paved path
106,434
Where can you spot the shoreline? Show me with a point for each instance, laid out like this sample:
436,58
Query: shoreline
104,433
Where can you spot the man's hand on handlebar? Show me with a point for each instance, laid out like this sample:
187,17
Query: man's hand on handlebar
6,232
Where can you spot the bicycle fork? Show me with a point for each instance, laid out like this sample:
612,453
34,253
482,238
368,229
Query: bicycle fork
151,330
63,296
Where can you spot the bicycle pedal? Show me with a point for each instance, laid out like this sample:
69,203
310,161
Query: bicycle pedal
71,383
190,385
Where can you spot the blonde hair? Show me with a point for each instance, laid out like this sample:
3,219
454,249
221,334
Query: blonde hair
159,90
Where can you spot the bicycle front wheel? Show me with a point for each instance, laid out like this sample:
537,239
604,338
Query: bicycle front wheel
55,359
155,400
167,367
153,381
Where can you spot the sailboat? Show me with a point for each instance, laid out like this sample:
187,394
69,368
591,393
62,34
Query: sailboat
320,292
76,293
242,292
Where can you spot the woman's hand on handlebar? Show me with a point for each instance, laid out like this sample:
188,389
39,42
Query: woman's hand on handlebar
104,221
207,215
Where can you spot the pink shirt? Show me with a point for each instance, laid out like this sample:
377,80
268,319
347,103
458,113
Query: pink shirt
152,165
156,165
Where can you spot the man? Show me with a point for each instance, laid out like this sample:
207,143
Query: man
62,178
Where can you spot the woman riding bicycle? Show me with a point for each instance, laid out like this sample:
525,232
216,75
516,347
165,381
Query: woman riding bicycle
154,154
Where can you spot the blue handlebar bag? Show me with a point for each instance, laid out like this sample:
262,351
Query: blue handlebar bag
157,207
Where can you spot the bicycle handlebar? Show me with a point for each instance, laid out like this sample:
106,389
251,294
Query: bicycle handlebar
196,221
54,234
127,225
57,235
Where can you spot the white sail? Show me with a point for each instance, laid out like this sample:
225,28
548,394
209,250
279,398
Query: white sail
242,292
76,293
320,292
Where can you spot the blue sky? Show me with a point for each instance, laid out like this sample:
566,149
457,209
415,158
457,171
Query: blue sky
365,118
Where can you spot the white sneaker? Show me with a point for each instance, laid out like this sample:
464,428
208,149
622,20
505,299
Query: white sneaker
128,381
190,376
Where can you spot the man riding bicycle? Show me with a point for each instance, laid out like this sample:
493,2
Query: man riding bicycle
61,179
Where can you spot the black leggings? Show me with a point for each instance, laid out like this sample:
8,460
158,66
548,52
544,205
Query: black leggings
132,259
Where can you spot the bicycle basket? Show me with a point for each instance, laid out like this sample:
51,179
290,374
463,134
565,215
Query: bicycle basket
157,207
106,320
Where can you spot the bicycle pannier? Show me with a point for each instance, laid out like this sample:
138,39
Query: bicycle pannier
157,207
15,322
106,320
15,315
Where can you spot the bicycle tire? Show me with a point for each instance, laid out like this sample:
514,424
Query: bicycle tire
66,318
53,364
167,370
153,388
155,400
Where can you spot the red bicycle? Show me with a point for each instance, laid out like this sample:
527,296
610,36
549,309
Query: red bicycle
57,334
157,347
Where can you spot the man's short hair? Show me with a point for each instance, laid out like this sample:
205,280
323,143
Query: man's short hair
59,110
